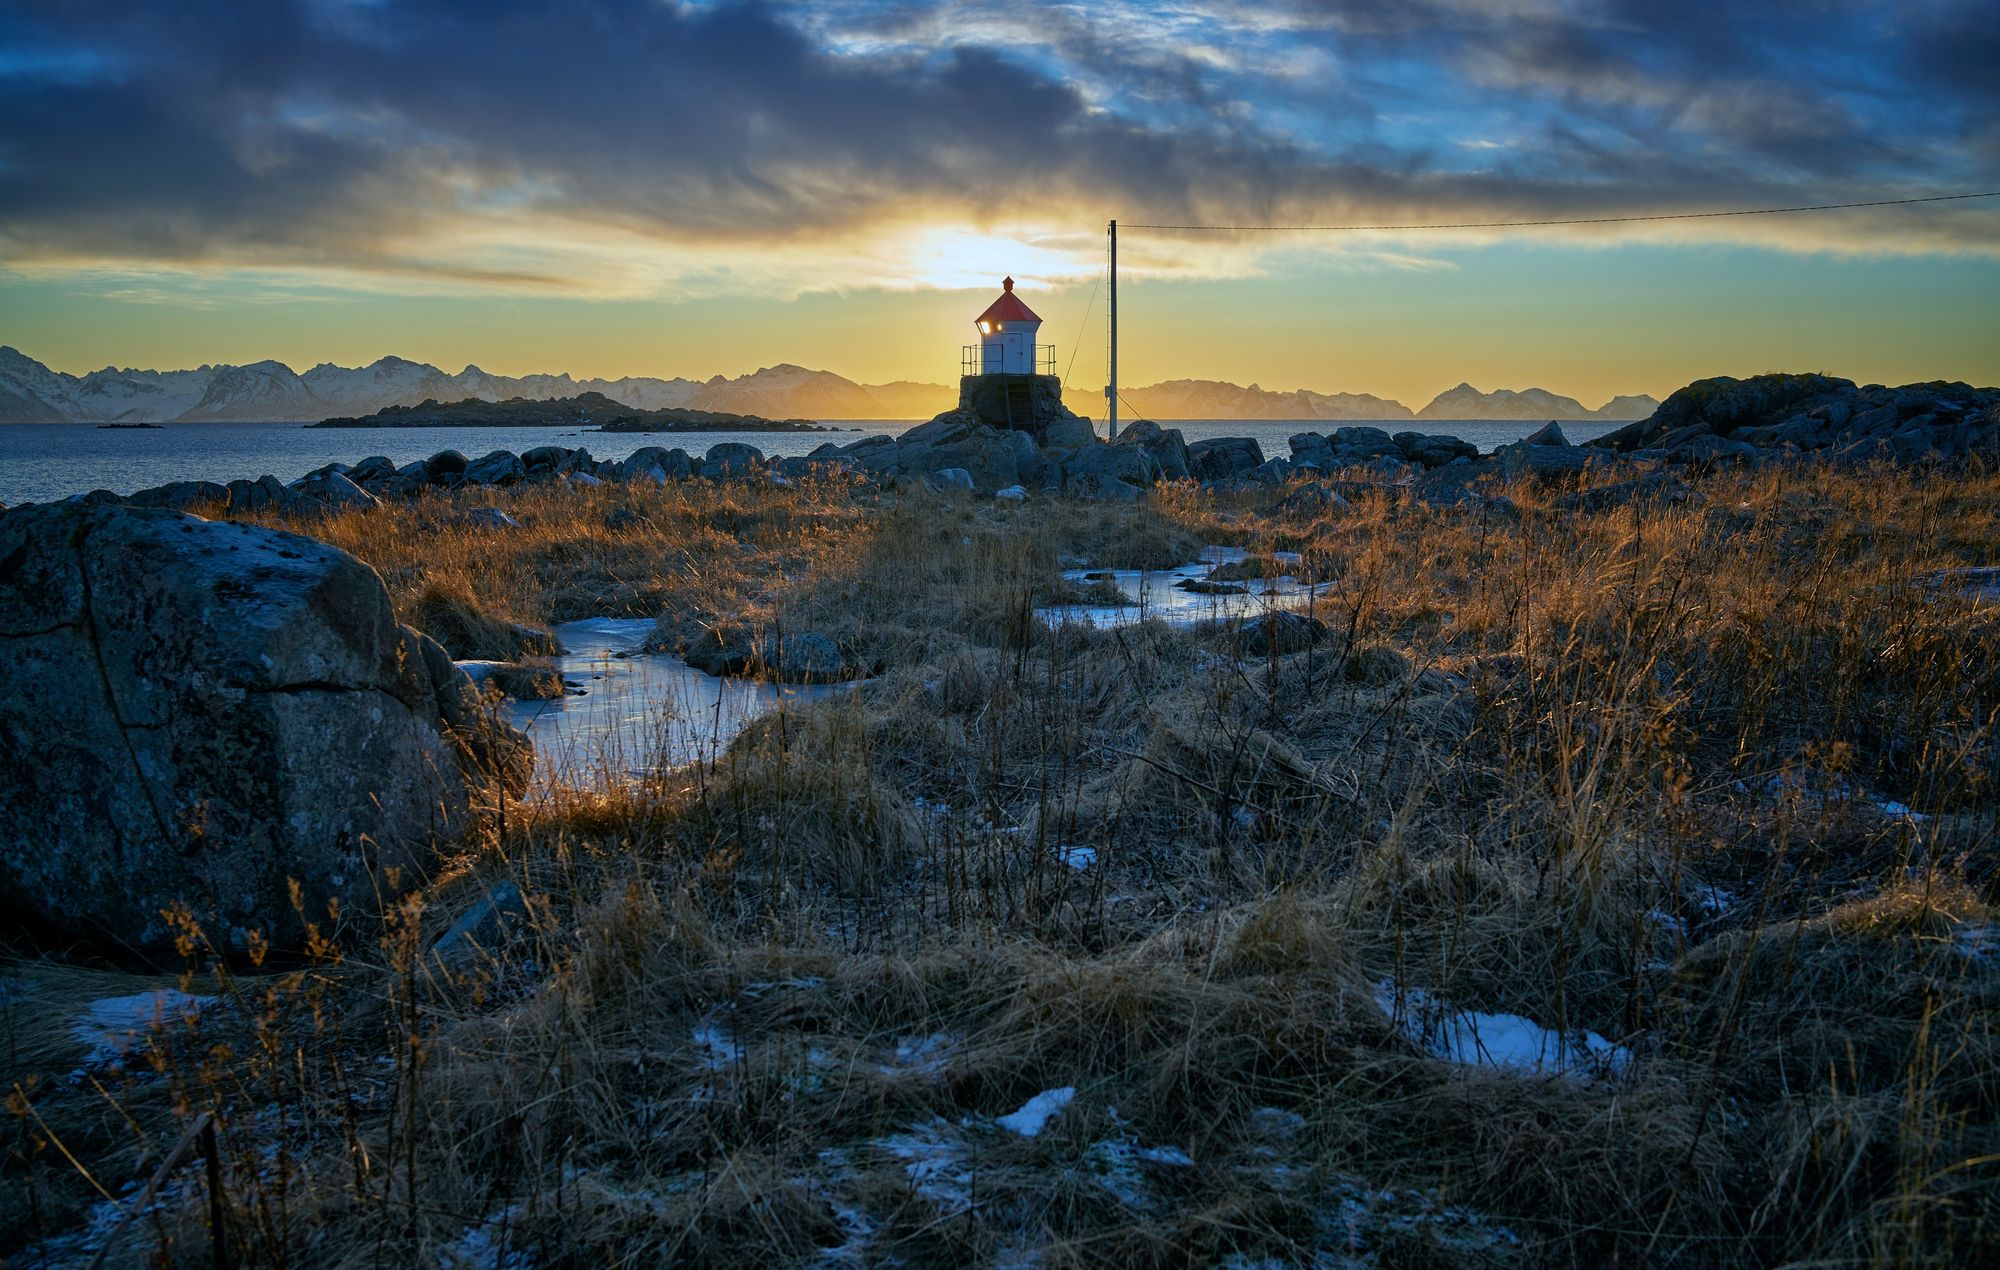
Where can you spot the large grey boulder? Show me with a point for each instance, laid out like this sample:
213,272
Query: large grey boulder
992,457
332,494
1219,457
1168,450
1310,449
731,458
266,493
652,463
501,467
1119,472
201,713
1436,449
182,496
1068,433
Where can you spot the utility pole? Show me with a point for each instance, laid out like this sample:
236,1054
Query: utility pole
1111,388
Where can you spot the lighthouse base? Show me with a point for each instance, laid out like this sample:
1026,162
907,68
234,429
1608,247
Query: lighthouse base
1026,403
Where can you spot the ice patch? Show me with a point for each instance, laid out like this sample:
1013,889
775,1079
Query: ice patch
1037,1111
485,1245
1078,858
920,1055
933,1158
1979,942
1506,1041
718,1050
115,1027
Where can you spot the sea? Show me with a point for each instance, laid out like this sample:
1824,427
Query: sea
42,462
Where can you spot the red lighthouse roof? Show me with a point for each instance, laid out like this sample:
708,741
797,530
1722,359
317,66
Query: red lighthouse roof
1008,308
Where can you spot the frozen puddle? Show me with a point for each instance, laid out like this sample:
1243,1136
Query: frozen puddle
1506,1041
117,1027
1161,594
640,711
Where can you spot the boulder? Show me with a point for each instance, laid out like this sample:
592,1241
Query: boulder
1550,433
992,457
202,713
1108,470
481,518
791,657
1221,457
1168,450
730,459
951,478
1360,443
265,494
545,458
1068,433
333,494
1433,449
501,467
1279,632
183,496
1012,494
1522,458
372,468
446,463
1310,449
652,463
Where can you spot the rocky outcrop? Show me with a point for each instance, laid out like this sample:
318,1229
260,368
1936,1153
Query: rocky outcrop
1747,420
202,713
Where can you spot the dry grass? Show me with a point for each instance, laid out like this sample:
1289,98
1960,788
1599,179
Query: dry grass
1642,774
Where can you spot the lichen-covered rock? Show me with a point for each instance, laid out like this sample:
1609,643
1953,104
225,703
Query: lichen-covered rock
202,713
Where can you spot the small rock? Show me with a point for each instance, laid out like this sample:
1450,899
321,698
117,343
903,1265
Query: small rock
1281,632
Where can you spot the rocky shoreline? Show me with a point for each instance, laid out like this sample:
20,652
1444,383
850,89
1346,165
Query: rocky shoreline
1765,420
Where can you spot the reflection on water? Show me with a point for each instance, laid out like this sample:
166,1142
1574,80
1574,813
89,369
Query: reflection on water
1161,594
640,711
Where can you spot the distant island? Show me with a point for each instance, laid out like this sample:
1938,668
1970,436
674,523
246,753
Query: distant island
590,409
121,426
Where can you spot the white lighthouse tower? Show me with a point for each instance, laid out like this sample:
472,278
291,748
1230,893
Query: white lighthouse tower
1007,336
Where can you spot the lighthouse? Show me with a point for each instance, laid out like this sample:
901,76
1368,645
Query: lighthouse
1007,333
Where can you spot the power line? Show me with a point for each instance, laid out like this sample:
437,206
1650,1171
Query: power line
1073,348
1575,220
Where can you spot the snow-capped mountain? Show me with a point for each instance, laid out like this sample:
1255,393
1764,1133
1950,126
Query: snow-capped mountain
269,391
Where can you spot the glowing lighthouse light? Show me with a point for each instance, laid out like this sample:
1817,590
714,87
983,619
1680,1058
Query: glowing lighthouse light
1007,335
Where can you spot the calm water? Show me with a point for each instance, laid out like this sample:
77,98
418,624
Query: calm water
44,461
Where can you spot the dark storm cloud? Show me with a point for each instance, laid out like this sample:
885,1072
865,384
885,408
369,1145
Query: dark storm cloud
335,130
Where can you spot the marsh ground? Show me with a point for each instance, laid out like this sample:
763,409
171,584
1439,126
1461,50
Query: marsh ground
1602,887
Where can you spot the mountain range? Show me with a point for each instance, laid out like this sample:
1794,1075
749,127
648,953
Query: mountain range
270,391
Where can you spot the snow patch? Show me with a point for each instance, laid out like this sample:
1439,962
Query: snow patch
1506,1041
1078,858
485,1245
115,1027
717,1048
934,1160
1035,1113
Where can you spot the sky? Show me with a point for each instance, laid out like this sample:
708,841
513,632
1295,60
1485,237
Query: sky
656,187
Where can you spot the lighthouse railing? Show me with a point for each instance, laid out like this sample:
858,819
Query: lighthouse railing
976,359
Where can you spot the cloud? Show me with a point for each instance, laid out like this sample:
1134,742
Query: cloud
617,147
